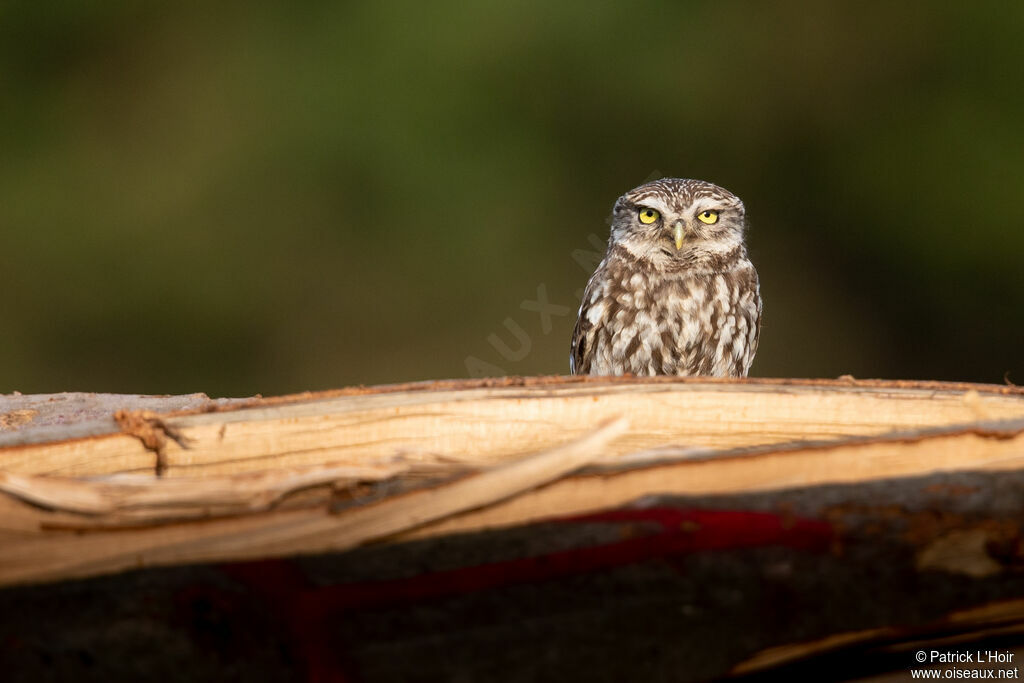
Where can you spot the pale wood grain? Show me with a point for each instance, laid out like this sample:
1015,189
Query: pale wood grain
265,478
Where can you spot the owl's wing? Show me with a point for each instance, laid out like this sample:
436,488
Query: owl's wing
752,312
582,336
578,348
755,333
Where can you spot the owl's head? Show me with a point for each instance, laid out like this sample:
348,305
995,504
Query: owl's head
677,220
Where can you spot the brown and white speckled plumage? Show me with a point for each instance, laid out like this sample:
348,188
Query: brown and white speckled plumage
651,308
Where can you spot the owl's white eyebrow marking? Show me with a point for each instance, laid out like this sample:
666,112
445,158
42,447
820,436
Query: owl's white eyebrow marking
654,203
714,204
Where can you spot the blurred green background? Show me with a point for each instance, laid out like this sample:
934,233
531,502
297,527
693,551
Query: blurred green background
242,197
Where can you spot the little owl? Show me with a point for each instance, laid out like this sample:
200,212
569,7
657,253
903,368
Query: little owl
675,293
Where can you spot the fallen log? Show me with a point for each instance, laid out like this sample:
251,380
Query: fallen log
697,528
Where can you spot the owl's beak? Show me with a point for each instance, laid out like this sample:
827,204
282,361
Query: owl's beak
677,232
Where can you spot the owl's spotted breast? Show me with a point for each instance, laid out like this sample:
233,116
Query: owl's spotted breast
633,320
654,308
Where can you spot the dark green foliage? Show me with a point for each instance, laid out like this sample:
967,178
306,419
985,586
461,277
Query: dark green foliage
244,198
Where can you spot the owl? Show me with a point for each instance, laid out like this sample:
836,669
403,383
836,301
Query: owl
675,293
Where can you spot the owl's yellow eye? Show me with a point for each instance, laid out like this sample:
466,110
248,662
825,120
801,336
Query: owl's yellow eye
708,217
648,216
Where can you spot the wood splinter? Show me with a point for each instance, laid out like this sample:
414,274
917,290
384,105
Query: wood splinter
152,431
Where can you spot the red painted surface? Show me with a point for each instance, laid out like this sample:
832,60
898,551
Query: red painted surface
305,609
